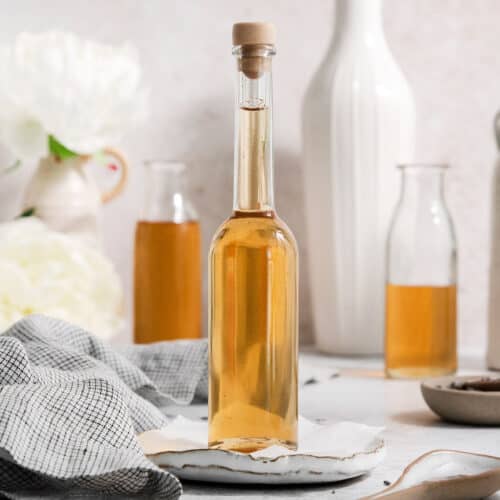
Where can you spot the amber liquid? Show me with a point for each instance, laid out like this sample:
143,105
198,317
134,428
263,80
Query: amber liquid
253,339
420,331
167,296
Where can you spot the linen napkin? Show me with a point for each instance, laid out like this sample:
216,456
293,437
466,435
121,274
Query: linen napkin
71,406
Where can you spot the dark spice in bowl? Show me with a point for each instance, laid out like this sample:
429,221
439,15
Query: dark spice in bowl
486,384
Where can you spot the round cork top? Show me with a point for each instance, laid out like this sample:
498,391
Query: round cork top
254,34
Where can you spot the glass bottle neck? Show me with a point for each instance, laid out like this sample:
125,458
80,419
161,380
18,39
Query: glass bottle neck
165,197
422,184
253,156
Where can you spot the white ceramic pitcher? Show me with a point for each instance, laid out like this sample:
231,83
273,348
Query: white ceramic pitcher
64,194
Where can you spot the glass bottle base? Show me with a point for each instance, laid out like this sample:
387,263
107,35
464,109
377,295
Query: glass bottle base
249,445
419,372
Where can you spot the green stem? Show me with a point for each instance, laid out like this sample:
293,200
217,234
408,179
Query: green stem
59,150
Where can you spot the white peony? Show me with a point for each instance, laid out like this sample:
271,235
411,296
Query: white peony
51,273
85,94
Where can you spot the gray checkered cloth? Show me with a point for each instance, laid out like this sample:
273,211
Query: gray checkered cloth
70,409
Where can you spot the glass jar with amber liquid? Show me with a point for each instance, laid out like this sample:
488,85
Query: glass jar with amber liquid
253,316
421,294
167,270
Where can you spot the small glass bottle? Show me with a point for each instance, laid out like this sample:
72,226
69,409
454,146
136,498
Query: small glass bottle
253,313
421,291
167,274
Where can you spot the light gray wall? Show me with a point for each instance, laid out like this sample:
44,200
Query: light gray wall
449,49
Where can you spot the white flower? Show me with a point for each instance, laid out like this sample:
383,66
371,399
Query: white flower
51,273
85,94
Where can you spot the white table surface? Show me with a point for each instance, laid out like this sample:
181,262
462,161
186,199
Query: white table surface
361,394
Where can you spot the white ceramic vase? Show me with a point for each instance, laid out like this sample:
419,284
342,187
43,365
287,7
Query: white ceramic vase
64,195
359,122
493,351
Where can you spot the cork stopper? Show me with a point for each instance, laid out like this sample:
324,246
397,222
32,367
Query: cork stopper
254,34
254,43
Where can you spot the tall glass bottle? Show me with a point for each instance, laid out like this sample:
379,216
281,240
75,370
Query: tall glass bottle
167,274
253,316
421,283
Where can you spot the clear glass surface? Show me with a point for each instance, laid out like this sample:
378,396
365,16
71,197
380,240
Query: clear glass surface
165,195
421,279
253,280
254,334
167,270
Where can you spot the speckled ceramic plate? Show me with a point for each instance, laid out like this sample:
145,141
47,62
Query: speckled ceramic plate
354,450
465,407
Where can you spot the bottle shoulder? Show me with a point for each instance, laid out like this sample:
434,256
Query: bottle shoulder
255,231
